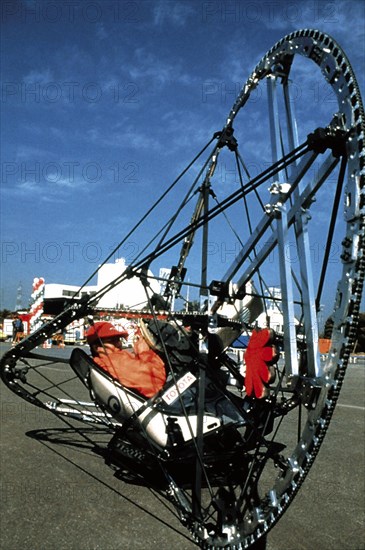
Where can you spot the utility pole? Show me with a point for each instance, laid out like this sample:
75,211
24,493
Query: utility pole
19,297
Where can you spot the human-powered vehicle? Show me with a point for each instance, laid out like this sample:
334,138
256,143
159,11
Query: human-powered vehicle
268,232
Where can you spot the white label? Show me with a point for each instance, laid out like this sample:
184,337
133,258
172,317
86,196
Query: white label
183,384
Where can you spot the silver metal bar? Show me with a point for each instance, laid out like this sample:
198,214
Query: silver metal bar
312,187
285,268
303,245
265,222
287,296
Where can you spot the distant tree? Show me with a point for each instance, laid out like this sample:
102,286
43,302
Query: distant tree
194,305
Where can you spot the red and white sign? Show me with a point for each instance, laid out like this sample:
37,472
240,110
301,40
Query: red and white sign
36,308
175,391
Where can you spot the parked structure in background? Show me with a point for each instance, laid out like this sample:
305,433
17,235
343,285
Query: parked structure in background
130,294
273,315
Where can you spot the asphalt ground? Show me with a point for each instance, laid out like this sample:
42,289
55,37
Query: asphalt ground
57,494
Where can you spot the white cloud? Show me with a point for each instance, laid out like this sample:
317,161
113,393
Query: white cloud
27,152
101,32
175,13
131,138
149,66
38,77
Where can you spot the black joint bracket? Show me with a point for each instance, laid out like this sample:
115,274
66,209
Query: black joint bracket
226,138
308,390
220,289
328,138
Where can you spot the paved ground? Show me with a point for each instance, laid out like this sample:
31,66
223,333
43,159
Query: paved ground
56,494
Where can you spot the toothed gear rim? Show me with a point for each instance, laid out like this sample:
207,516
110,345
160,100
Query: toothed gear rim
337,71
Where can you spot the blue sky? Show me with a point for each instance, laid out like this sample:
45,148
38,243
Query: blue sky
104,102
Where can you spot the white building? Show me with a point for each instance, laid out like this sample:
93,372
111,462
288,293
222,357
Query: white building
57,290
273,312
130,294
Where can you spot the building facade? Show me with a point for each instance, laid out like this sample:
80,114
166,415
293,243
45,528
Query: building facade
129,294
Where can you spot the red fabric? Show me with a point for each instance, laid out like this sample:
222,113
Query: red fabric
144,372
258,355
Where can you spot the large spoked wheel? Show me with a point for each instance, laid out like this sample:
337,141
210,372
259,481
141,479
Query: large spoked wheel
287,207
269,232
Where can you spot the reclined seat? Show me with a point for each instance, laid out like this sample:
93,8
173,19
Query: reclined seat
156,415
